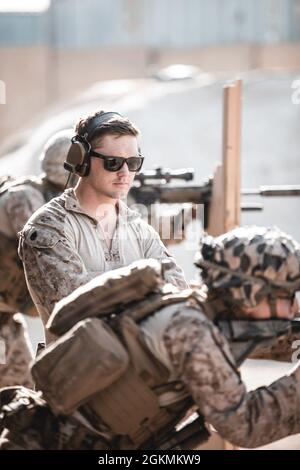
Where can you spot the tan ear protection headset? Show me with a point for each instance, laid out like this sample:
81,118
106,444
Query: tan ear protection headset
78,160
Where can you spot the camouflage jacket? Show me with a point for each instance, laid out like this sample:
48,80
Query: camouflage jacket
62,247
195,351
17,204
19,199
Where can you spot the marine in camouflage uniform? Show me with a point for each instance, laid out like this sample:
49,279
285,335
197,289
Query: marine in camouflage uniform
268,265
70,240
19,199
240,269
62,247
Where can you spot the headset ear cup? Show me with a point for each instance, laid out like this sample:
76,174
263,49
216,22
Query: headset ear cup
85,170
78,160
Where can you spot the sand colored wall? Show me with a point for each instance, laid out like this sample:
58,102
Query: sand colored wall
36,77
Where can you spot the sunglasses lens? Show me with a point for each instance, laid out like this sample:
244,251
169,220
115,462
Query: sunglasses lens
134,163
116,163
113,164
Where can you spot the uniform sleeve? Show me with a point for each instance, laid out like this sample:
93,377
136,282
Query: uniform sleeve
201,358
20,204
18,352
53,268
154,248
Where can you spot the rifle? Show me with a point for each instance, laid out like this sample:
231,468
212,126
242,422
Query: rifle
154,186
244,335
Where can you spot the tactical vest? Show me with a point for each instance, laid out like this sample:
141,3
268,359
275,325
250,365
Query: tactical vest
14,295
123,392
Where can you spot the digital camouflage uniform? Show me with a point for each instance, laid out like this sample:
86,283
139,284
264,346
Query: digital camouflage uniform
192,350
27,410
62,248
19,199
239,268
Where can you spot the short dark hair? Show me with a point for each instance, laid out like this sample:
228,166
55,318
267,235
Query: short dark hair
117,126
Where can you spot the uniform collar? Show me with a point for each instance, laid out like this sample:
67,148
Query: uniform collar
72,205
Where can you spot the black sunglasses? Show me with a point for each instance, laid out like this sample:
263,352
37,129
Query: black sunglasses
116,163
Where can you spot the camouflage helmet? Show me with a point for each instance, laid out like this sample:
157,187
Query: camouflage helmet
250,263
54,155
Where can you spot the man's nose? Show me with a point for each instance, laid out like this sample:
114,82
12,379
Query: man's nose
124,170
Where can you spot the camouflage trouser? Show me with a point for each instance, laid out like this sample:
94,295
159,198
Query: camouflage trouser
15,351
29,424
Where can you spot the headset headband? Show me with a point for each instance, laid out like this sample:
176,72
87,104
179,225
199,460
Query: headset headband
97,122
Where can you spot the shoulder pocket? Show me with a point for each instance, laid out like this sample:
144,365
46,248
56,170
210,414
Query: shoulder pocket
40,238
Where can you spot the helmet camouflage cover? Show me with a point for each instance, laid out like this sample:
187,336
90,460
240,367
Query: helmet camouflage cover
53,157
249,263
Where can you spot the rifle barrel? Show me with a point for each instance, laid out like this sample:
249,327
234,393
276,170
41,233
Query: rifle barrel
271,191
251,206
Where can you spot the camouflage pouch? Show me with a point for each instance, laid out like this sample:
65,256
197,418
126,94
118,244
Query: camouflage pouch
106,293
85,360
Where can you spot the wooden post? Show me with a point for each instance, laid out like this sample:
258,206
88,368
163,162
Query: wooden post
231,155
225,208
